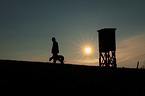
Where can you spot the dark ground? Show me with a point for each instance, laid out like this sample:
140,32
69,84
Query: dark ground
33,78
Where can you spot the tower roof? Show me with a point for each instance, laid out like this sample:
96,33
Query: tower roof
104,29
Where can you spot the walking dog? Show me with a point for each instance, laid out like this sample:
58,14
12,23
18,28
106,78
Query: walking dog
60,58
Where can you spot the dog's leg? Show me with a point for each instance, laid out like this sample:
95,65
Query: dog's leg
62,60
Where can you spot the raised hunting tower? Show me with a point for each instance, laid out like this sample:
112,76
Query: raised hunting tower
107,47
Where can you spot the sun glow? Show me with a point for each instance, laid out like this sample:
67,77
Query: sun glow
88,50
85,49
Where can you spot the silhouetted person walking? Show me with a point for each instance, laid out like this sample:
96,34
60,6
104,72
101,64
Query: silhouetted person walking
55,49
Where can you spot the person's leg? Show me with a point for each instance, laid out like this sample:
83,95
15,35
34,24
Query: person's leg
54,61
54,58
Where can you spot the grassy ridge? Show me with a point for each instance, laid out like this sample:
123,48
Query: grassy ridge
23,78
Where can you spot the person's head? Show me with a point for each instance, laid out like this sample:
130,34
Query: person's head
53,39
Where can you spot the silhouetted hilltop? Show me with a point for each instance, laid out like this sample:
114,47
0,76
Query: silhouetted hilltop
29,78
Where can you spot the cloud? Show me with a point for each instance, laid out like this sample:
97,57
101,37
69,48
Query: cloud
131,50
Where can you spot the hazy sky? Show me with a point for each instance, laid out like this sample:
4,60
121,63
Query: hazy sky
27,26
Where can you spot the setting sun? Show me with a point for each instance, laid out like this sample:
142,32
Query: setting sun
88,50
